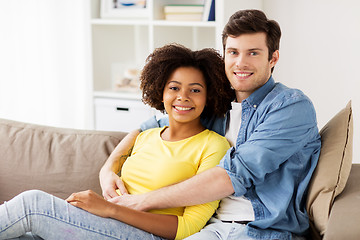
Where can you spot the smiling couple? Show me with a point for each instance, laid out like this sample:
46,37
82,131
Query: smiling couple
171,179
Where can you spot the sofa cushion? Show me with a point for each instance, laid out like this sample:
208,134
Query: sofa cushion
344,218
333,168
56,160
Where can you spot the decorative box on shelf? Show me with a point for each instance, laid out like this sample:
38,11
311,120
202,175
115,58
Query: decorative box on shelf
124,9
183,12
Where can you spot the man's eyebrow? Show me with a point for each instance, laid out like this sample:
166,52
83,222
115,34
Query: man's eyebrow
250,49
256,49
231,48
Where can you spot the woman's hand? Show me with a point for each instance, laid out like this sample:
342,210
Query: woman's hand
159,224
91,202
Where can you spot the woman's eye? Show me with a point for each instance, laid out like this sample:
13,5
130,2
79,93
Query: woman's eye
195,90
174,88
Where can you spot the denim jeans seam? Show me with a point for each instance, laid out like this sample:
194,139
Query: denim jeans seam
75,224
12,224
79,225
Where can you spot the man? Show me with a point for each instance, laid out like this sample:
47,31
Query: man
263,178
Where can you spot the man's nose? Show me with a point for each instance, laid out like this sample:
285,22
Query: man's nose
241,61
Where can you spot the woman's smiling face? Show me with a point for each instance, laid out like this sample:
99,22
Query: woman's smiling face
184,95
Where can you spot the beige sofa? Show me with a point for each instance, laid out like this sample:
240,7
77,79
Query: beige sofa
62,161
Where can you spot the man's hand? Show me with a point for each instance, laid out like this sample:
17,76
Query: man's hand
210,185
110,182
136,202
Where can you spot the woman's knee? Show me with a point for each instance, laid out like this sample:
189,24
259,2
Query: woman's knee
33,194
33,198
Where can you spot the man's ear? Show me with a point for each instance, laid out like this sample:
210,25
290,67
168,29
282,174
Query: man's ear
274,59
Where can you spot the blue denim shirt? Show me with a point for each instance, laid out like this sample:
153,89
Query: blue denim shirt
276,153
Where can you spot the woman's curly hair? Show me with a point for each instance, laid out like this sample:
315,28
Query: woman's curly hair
165,60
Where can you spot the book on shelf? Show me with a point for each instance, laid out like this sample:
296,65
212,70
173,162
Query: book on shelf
209,10
181,12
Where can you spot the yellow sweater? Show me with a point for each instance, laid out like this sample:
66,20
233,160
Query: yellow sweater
155,163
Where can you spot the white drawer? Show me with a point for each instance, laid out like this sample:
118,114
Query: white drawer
120,114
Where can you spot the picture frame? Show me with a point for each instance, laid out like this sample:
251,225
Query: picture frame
124,9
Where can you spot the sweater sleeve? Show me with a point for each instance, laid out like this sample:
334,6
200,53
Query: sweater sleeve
195,217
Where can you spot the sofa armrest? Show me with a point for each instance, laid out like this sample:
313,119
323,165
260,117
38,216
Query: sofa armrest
345,214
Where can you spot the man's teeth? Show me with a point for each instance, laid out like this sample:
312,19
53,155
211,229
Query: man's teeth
182,108
243,74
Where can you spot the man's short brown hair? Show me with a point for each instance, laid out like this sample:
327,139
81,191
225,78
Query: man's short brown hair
253,21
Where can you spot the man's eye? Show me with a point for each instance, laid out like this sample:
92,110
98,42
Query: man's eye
231,52
253,53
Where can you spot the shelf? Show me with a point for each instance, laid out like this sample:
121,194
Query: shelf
119,94
122,43
183,23
101,21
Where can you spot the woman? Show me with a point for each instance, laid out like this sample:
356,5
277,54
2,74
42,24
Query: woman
187,85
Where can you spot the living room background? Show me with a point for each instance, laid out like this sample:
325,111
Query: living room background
45,57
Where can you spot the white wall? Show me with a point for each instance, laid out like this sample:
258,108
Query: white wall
320,54
44,75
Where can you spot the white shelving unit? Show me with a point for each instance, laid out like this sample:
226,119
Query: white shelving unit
122,43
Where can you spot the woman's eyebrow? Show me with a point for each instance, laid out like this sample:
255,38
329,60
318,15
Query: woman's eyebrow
190,84
173,81
198,84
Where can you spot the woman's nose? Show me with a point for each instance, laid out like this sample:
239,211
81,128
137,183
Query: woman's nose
182,96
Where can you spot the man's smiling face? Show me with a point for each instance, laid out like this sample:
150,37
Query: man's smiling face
247,64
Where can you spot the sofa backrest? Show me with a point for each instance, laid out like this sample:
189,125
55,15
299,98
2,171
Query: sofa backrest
56,160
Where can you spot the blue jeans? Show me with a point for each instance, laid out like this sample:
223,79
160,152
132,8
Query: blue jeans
217,230
38,215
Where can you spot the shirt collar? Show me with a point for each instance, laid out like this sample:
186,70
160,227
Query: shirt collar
256,97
